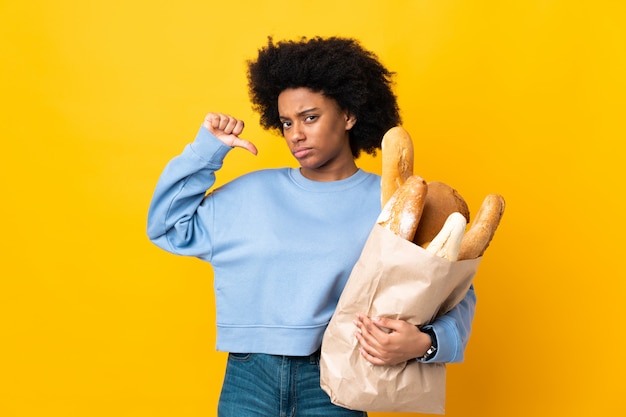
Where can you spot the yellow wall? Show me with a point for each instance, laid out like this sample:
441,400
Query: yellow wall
523,98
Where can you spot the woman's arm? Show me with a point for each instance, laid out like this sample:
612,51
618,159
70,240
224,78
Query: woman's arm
405,341
173,216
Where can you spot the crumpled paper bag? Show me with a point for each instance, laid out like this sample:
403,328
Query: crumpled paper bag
392,278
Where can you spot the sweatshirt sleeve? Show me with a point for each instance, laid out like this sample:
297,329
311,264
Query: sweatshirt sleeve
175,221
453,329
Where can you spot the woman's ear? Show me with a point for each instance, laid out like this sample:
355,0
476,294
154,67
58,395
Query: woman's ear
350,121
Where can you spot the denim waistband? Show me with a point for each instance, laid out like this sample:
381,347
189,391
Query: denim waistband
312,358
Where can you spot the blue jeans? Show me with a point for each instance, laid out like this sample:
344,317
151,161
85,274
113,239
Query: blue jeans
258,385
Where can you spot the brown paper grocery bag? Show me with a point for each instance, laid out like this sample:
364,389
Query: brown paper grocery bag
392,278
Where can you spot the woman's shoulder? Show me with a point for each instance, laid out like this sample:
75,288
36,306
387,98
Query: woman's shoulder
265,174
261,178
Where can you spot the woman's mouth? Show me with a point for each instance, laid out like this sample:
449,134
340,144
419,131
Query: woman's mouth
302,152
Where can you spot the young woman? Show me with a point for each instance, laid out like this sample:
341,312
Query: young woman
282,242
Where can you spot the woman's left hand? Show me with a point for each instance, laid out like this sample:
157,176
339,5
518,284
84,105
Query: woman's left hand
387,341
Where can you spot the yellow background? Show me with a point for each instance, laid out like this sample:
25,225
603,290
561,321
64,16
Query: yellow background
524,98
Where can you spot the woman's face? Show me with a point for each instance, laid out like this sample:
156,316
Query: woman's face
316,131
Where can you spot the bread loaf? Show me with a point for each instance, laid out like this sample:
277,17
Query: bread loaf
447,243
483,227
441,201
397,161
402,212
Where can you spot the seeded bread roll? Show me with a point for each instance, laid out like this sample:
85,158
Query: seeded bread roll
441,201
397,161
482,229
403,211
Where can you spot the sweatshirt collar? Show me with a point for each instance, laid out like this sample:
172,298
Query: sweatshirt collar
327,186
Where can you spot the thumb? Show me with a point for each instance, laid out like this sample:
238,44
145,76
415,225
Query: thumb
242,143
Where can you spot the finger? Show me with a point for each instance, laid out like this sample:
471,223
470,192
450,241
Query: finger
211,120
231,125
224,119
372,339
239,125
387,324
374,328
215,120
364,332
366,344
372,359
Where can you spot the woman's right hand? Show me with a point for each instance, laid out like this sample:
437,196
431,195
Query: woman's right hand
227,129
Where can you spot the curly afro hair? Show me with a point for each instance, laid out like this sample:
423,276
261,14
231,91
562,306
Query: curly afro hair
340,69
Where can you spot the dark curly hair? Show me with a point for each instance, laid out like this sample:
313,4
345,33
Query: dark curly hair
337,67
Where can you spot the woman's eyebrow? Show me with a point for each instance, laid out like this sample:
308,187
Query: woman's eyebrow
301,113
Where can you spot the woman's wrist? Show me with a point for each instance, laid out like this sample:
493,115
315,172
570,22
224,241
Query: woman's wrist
429,345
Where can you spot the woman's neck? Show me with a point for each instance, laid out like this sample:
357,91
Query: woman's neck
326,174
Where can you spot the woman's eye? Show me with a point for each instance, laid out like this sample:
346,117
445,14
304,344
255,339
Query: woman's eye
311,118
286,125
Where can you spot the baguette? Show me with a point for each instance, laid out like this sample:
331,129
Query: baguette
482,229
447,243
403,210
441,201
397,161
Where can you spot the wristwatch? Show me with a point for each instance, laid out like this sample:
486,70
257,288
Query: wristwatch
433,346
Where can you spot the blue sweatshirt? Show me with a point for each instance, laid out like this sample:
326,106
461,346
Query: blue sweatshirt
281,246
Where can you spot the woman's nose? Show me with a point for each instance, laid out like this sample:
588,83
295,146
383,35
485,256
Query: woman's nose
296,133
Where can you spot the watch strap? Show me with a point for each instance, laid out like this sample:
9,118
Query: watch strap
433,346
